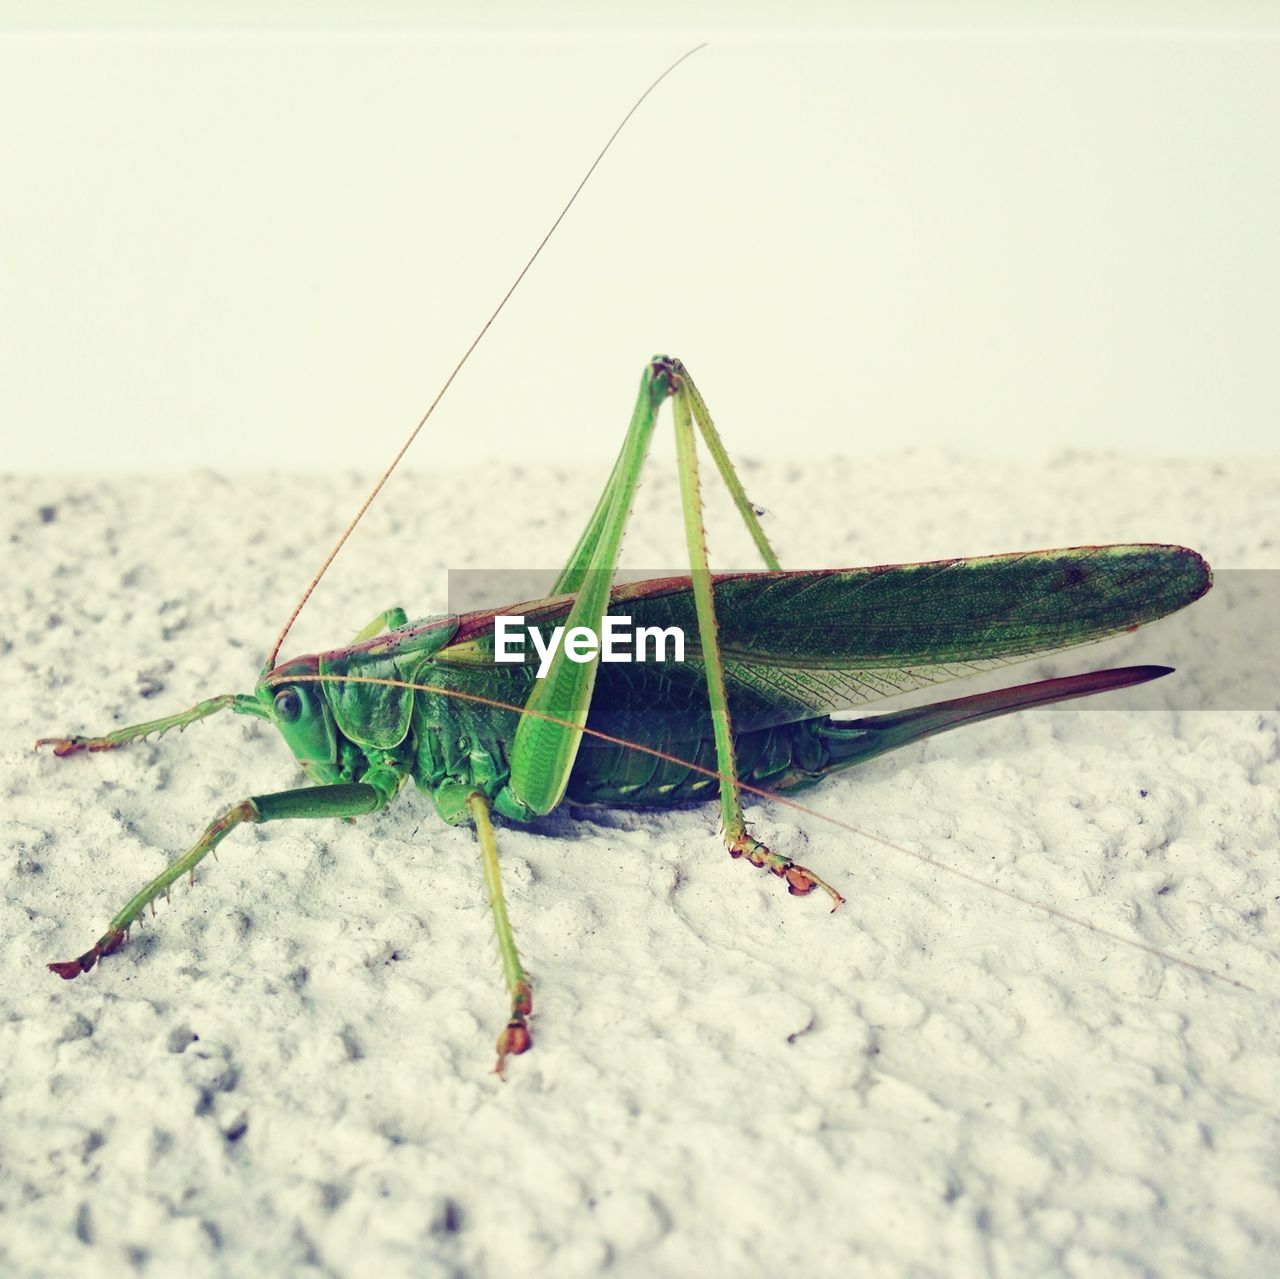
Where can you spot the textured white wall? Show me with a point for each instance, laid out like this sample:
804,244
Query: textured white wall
291,1061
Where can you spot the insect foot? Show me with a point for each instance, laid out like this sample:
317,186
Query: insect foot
70,968
515,1037
247,810
63,746
800,880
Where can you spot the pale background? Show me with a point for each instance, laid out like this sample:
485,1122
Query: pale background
252,239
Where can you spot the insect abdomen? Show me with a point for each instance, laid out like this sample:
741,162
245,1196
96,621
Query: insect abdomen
786,757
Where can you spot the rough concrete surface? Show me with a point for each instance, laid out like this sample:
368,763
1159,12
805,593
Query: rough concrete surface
288,1071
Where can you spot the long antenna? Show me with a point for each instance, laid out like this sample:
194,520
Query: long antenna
466,355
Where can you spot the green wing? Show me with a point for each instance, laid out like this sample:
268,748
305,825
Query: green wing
802,644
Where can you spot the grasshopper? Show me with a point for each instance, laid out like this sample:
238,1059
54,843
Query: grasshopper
770,656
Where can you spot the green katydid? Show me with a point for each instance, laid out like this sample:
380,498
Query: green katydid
771,655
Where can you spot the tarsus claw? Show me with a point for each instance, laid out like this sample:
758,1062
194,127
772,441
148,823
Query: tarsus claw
514,1040
515,1037
800,881
69,968
64,746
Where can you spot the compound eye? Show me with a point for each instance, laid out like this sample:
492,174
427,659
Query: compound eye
288,705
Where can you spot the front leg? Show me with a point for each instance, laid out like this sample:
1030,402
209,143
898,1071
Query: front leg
348,800
238,702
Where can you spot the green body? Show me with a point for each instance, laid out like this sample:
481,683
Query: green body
796,646
768,658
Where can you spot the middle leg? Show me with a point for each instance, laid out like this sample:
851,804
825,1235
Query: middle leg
514,1037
